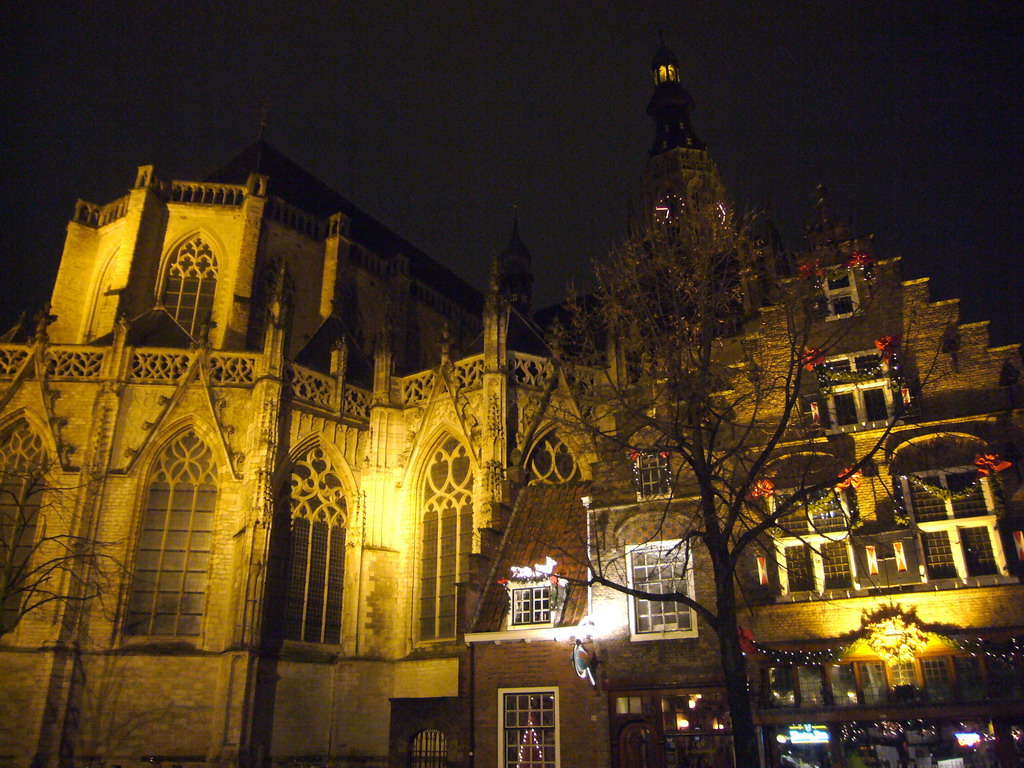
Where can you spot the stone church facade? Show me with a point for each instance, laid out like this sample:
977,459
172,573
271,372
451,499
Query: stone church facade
287,445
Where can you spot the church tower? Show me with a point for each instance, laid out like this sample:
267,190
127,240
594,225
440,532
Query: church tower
679,166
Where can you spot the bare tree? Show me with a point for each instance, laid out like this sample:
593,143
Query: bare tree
43,559
693,351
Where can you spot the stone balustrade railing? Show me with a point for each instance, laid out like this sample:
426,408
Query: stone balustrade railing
205,193
94,215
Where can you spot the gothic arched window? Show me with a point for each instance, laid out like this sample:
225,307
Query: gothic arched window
22,480
551,462
169,583
316,565
189,284
446,537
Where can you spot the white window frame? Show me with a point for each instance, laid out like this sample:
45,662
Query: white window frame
814,543
831,294
539,690
532,587
658,464
857,390
634,633
952,525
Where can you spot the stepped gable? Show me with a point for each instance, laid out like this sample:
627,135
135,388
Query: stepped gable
294,184
547,521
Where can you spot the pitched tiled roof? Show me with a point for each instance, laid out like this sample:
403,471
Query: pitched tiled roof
547,521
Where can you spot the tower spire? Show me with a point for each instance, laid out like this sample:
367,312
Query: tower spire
670,105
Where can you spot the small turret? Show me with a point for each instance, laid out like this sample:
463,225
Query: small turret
670,106
515,280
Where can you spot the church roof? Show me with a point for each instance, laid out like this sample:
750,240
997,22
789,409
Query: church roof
547,521
294,184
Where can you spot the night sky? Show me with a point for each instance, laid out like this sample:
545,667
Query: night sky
439,118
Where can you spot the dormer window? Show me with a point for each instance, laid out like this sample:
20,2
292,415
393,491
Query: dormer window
859,390
531,605
535,596
840,291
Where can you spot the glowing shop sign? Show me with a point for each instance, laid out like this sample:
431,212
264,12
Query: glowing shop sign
808,734
968,739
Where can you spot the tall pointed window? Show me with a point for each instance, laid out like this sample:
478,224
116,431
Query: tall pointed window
169,582
189,284
22,478
316,566
446,537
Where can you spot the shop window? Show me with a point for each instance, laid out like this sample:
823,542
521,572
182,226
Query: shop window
860,395
661,568
529,728
843,685
970,681
872,681
938,681
840,294
653,476
781,691
811,684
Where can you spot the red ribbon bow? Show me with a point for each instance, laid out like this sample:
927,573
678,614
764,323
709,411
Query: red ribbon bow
990,463
852,481
762,489
812,358
888,345
809,269
859,259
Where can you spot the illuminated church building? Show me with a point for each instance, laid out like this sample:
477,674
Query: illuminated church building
309,453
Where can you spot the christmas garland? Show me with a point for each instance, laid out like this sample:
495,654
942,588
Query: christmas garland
944,493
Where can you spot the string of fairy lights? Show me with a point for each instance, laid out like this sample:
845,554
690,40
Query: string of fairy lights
1009,651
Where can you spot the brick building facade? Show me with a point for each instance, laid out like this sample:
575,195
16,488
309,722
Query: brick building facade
296,455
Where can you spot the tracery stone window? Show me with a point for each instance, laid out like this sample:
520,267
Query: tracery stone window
446,537
22,467
552,463
169,581
189,284
316,566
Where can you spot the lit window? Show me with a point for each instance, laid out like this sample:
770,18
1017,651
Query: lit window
528,728
169,580
316,566
661,568
954,512
189,285
653,475
840,291
531,605
446,537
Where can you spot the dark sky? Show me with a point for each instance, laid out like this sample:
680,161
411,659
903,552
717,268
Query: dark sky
439,117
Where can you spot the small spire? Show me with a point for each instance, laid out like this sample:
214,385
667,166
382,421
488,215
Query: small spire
670,105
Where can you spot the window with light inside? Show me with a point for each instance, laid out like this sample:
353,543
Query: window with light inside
528,727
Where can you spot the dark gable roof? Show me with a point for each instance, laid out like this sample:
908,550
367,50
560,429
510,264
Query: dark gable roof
547,520
292,183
